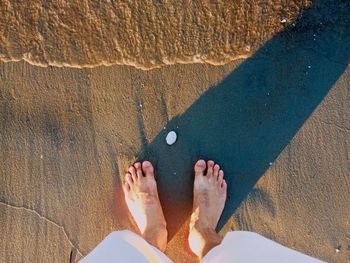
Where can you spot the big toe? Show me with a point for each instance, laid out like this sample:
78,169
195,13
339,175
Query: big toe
199,167
147,168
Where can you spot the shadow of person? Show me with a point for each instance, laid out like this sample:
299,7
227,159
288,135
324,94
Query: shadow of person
244,122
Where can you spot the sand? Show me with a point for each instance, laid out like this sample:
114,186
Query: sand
145,34
278,123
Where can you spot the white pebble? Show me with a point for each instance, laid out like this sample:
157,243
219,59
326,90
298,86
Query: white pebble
171,138
283,20
270,164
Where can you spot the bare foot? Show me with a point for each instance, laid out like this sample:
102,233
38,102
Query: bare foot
142,199
209,196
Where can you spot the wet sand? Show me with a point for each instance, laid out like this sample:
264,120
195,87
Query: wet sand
143,34
278,123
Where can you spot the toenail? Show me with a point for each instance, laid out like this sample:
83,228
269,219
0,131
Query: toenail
146,163
128,176
201,163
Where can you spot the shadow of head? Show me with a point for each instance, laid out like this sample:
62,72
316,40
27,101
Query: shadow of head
244,122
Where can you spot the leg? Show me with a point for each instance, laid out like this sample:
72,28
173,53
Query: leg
209,196
141,196
142,199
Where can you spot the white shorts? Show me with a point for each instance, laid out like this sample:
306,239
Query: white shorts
237,246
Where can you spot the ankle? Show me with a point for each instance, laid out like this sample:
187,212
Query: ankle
202,240
157,236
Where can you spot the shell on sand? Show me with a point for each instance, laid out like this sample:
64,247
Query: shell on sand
171,138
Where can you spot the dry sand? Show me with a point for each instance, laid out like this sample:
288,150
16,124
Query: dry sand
278,122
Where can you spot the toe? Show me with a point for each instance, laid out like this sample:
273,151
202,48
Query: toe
129,180
133,173
224,186
216,171
210,168
147,168
126,187
220,177
199,167
138,169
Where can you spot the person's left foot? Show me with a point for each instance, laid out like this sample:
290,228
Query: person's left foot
141,196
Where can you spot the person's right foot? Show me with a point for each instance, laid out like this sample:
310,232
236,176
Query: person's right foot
209,196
